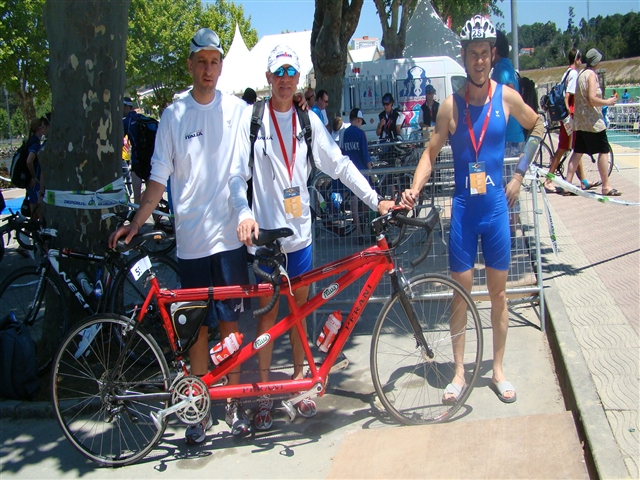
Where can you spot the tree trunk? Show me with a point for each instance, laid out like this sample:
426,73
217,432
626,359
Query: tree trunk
394,25
87,42
27,108
334,23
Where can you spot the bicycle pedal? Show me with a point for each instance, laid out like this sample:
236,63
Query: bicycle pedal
342,362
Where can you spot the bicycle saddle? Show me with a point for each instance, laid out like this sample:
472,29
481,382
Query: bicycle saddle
268,236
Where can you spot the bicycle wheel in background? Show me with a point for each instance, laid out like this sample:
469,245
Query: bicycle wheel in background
89,370
128,294
590,168
409,384
543,157
37,300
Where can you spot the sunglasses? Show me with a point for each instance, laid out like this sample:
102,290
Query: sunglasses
310,97
291,71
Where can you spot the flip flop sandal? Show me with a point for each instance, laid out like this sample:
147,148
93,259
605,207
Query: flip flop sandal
612,193
502,387
455,391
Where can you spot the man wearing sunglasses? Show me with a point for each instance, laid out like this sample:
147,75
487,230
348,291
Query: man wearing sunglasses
194,147
310,97
320,107
390,123
281,197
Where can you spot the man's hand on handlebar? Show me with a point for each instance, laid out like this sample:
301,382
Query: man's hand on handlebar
126,230
385,205
409,197
246,229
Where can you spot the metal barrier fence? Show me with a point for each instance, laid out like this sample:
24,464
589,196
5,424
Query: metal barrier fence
335,235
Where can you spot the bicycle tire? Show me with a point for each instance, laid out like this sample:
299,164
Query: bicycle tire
107,431
42,311
590,168
544,156
410,385
164,223
128,294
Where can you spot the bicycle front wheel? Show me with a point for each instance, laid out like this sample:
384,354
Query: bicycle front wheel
91,382
544,156
408,381
36,298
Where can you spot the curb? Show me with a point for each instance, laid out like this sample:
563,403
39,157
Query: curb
601,449
18,410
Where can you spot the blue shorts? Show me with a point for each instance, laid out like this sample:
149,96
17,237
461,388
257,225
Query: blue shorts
492,225
218,270
297,263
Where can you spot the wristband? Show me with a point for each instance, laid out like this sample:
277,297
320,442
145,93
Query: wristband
133,222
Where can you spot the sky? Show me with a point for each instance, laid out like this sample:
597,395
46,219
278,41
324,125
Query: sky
271,17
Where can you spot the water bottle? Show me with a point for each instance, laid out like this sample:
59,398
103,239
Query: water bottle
84,283
97,290
329,331
226,348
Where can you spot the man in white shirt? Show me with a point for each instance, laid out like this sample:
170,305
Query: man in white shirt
194,147
280,172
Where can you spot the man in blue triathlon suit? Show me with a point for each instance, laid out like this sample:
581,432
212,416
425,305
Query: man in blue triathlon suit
480,203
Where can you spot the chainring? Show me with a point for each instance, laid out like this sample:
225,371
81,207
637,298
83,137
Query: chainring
196,392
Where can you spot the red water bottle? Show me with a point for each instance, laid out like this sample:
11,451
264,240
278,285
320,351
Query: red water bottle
329,331
226,348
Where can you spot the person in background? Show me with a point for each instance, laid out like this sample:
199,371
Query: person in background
130,125
281,198
614,95
474,121
429,109
566,141
390,123
625,96
320,107
337,130
37,129
249,96
310,97
589,125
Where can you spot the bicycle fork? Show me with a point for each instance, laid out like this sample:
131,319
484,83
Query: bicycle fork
403,296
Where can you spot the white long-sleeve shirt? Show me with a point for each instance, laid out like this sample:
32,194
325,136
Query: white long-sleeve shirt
271,176
194,147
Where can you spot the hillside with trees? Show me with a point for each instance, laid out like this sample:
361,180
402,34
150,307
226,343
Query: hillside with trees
616,36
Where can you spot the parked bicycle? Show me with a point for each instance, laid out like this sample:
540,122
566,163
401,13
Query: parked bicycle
113,407
547,150
36,293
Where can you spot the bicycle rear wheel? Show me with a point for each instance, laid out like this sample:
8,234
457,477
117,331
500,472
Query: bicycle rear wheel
90,371
544,156
37,300
409,384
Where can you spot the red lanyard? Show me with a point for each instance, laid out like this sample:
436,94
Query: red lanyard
293,140
484,126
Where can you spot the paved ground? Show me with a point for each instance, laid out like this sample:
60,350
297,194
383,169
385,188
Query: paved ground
592,299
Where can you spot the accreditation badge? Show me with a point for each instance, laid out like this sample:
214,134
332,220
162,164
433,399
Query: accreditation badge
477,178
292,203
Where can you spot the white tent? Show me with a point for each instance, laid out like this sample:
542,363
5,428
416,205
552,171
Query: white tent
234,65
428,36
247,69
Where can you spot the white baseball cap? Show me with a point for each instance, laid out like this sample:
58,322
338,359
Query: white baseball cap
283,55
205,39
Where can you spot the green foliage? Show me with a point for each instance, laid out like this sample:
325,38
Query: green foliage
18,125
24,50
159,36
462,10
616,36
4,124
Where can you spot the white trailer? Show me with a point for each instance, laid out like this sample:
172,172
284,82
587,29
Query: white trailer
406,79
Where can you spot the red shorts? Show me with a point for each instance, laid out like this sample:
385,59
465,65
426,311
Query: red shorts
565,140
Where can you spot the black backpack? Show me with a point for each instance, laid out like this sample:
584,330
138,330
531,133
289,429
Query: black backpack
256,123
144,145
18,368
19,173
529,94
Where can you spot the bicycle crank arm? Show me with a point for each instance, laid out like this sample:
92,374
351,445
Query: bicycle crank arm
289,405
160,415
